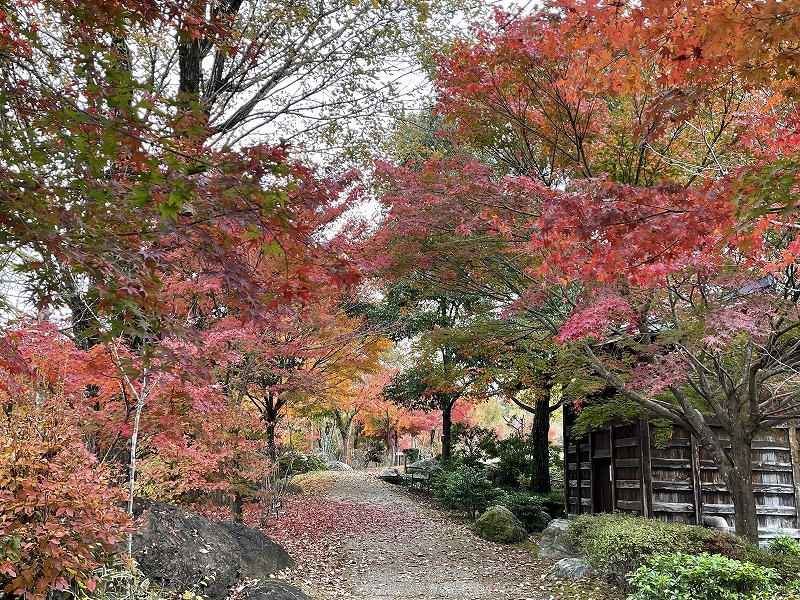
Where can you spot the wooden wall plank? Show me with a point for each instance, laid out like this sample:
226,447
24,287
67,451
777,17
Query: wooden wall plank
673,507
646,468
629,484
795,456
613,469
696,487
591,474
672,485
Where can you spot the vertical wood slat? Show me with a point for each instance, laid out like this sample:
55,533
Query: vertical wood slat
591,473
794,456
613,469
646,473
696,487
578,475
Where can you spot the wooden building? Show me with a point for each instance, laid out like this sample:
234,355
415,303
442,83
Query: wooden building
620,468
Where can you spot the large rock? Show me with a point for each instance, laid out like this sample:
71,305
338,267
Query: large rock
274,589
391,475
182,550
570,568
336,465
498,524
555,543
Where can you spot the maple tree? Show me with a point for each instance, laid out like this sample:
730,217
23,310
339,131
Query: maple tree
661,249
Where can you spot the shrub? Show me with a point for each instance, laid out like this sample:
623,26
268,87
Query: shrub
464,487
784,544
516,466
617,543
294,463
374,451
527,508
553,504
704,577
471,442
59,513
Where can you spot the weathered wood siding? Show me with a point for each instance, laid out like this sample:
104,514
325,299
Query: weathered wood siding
578,475
620,468
673,478
628,468
774,480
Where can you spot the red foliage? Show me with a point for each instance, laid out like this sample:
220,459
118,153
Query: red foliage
60,516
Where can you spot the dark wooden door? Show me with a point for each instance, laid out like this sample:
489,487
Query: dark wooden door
603,500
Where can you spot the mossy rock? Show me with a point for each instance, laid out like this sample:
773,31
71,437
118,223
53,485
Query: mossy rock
498,524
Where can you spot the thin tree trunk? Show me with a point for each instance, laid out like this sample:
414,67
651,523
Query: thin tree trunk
237,504
269,423
389,449
447,426
346,442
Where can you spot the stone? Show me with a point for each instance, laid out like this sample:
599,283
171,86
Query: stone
274,589
498,524
182,551
570,568
335,465
292,489
554,542
391,475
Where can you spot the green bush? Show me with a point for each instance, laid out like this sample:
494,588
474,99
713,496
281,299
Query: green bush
784,544
294,463
527,508
466,487
554,503
516,467
617,543
472,444
703,577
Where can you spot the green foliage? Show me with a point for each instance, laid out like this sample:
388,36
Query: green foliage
472,443
294,463
601,414
374,451
703,577
557,473
784,544
465,487
516,466
553,504
528,508
617,543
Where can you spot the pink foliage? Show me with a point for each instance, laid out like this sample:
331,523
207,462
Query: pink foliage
594,319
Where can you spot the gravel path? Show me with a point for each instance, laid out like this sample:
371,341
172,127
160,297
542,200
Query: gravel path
356,537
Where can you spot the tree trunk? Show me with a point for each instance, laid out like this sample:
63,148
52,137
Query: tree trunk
270,420
346,443
237,502
447,426
739,480
389,449
540,481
